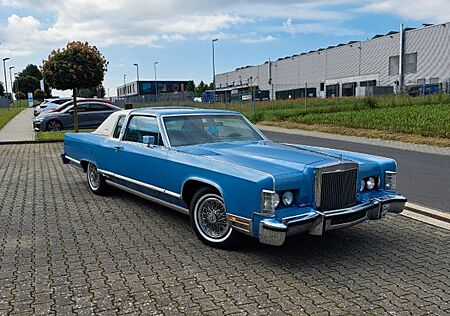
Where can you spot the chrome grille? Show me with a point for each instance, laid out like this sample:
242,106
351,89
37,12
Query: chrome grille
336,187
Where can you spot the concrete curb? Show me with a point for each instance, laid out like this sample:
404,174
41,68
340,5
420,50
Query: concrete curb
428,149
23,142
427,215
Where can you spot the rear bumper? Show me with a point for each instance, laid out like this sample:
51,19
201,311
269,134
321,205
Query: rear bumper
274,232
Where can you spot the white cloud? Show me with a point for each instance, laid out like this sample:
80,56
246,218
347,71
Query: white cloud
257,40
156,23
434,11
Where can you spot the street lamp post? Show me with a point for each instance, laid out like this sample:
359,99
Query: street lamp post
10,80
214,64
4,72
124,85
137,71
156,84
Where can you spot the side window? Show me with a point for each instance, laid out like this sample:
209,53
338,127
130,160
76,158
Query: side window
118,126
82,107
140,126
98,107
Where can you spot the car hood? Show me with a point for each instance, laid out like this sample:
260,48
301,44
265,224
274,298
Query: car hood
266,156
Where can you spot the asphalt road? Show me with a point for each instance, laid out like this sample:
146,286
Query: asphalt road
422,178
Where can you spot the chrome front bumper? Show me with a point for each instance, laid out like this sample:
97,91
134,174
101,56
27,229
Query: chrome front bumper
274,232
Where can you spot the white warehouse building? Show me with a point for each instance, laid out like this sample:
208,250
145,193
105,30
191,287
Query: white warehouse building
392,62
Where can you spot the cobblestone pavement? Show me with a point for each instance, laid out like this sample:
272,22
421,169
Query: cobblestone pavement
65,251
20,128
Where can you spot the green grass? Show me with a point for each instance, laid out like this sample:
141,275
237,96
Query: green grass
7,115
55,136
426,116
426,120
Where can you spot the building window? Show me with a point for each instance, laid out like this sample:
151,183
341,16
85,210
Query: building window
393,65
421,82
434,80
322,86
411,63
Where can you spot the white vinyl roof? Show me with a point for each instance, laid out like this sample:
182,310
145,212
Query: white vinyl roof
108,125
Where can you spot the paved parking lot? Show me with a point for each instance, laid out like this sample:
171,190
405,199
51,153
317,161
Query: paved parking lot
65,251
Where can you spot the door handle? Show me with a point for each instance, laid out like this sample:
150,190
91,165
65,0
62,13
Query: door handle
118,147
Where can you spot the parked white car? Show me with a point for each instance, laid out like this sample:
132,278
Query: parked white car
50,104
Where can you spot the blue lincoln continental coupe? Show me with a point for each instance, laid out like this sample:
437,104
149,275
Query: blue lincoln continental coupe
229,178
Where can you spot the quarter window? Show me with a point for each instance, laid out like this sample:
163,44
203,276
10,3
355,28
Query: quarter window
118,127
140,126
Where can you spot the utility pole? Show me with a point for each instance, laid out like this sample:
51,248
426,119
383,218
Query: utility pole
306,94
214,64
156,84
400,60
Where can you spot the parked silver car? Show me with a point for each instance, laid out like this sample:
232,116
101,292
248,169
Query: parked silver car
50,104
90,115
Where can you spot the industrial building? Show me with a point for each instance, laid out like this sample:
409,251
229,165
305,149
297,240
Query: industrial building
388,63
150,87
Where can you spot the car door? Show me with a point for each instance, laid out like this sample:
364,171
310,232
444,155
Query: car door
67,116
98,112
138,164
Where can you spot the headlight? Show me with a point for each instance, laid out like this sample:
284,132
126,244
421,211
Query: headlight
370,183
287,198
390,180
270,201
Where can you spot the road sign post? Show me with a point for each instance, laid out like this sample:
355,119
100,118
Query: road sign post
30,99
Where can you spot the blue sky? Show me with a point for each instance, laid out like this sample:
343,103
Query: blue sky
178,33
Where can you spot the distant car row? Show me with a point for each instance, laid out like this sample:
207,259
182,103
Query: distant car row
58,114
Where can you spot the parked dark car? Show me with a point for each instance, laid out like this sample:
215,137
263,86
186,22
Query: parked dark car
90,115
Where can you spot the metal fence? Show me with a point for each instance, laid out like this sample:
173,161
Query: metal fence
150,99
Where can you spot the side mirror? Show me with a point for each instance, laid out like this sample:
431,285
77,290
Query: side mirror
148,140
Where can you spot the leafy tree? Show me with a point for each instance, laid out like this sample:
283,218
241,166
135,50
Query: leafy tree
190,86
78,66
26,84
28,80
20,96
2,90
98,92
39,94
202,87
32,71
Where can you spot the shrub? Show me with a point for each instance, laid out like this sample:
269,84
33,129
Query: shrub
39,94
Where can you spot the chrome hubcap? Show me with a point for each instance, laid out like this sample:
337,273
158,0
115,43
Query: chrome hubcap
212,218
93,176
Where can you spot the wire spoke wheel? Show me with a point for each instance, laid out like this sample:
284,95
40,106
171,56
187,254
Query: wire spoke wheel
212,218
93,176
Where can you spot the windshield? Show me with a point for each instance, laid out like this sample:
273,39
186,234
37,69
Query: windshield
201,129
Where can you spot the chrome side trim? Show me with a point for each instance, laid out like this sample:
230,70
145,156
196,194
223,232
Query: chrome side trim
73,160
150,198
143,184
242,224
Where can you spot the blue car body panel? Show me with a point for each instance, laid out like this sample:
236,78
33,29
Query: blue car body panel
239,170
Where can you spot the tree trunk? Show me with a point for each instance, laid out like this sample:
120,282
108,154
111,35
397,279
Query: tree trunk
75,110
